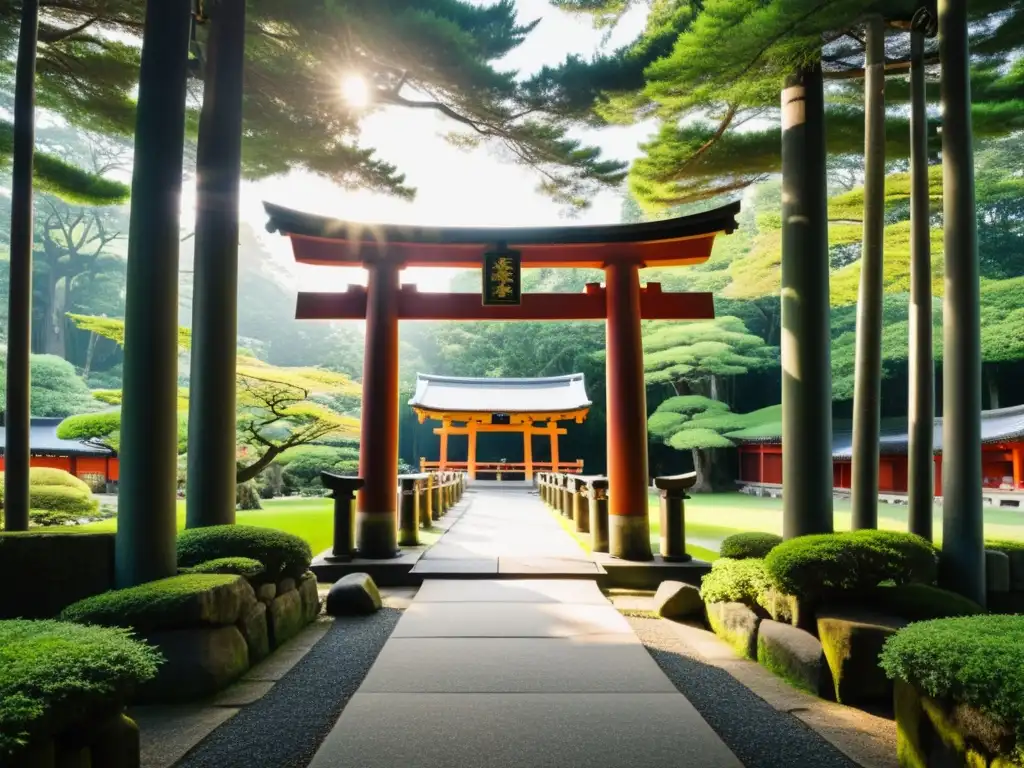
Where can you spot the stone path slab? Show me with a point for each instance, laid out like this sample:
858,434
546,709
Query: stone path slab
507,532
495,673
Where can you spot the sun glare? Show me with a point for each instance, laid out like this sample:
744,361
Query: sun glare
356,91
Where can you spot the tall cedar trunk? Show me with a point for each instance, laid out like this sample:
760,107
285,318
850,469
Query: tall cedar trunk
89,353
714,388
702,466
54,338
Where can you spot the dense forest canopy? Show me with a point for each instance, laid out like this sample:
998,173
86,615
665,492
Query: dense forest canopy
714,137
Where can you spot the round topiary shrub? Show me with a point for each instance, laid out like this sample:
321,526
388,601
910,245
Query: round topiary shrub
735,581
63,498
54,476
53,673
239,566
742,546
813,566
977,661
282,554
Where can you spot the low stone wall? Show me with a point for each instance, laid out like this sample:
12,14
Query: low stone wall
111,742
205,658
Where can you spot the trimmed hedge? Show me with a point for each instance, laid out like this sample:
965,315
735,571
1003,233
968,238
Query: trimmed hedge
240,566
54,674
163,604
917,602
63,498
743,546
43,571
282,554
817,565
974,660
735,581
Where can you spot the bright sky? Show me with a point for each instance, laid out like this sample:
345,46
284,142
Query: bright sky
454,187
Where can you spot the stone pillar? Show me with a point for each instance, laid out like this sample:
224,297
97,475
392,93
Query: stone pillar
963,553
580,507
408,525
19,313
343,491
806,340
920,457
376,530
867,393
628,524
210,497
471,452
673,519
599,514
427,502
147,496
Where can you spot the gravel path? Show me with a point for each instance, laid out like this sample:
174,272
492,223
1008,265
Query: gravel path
757,733
285,727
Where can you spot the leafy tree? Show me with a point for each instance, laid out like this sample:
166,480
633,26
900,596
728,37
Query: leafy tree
278,408
695,357
57,389
699,424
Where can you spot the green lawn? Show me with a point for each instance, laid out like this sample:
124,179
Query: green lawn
712,517
312,519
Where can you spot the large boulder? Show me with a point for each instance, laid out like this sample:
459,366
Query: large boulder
254,629
788,609
284,618
794,655
354,594
676,600
310,597
737,624
199,662
997,571
852,639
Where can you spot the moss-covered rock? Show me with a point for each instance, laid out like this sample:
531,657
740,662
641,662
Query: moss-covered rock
852,640
353,594
737,624
284,618
932,733
254,629
310,596
175,603
794,655
199,662
789,609
676,600
115,743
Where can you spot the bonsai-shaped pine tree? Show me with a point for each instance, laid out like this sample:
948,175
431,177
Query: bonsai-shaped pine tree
699,424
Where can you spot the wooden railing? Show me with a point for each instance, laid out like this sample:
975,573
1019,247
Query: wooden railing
504,467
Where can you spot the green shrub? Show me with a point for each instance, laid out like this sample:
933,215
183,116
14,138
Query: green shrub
817,565
63,498
62,567
1004,545
240,566
303,464
917,602
973,660
161,604
741,546
54,476
735,581
51,517
282,554
53,674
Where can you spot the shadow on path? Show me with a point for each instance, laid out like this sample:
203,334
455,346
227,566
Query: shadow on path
285,727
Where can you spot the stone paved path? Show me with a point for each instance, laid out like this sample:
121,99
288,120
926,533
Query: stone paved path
497,673
503,529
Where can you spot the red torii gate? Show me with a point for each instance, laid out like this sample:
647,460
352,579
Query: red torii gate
619,250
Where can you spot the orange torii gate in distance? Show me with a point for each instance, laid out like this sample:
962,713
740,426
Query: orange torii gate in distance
472,406
619,250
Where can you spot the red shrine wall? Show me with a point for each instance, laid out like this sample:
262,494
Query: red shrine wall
87,468
1002,468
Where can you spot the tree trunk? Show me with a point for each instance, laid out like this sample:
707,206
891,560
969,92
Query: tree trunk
89,352
702,466
714,387
992,382
53,332
244,474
